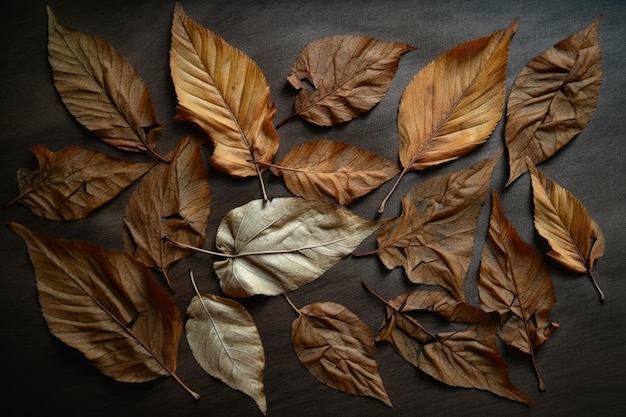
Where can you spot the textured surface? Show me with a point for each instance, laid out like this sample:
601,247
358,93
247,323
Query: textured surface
584,361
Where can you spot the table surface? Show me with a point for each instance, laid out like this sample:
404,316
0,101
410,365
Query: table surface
583,363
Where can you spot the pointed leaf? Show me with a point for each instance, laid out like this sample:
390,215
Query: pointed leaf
172,201
224,92
71,183
100,88
350,74
280,245
553,99
325,168
338,349
226,343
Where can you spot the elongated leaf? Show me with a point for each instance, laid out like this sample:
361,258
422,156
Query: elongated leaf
350,74
553,99
280,245
226,343
515,283
73,182
100,88
106,305
172,201
576,240
338,349
325,168
433,239
224,92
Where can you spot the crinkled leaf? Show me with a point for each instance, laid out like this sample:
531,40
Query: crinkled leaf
338,349
553,99
280,245
226,343
72,182
350,75
325,168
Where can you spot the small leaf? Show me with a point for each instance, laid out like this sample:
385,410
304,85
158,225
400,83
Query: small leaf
325,168
576,240
71,183
338,349
553,99
226,343
172,201
100,88
350,74
278,246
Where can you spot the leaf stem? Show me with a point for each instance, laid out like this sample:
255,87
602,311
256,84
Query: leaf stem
292,304
595,283
381,208
542,386
285,120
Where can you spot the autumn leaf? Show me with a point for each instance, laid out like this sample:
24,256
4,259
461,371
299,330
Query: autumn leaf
73,182
433,239
224,92
106,305
172,201
516,284
225,342
453,104
101,89
575,239
553,99
324,168
350,75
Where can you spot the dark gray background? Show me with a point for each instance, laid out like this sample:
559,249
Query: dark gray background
583,363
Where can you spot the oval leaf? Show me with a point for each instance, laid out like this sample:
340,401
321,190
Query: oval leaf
553,99
338,349
325,168
350,74
226,343
280,245
100,88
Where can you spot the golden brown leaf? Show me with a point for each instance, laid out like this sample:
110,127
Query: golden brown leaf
100,88
325,168
71,183
515,283
172,201
553,99
350,75
107,305
575,239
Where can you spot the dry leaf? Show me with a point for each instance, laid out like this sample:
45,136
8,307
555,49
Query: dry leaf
553,99
515,283
226,343
325,168
338,349
172,201
575,239
350,75
71,183
101,89
433,239
454,103
224,92
280,245
107,305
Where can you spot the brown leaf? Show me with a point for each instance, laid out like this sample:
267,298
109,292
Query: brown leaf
172,201
553,99
107,305
515,283
433,239
576,240
100,88
350,75
338,349
454,103
325,168
71,183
